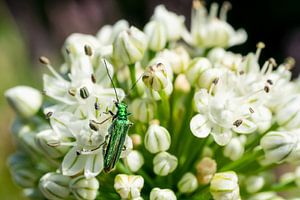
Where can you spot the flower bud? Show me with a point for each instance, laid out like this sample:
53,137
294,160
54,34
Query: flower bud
55,186
224,185
129,46
188,183
208,77
157,35
177,58
84,188
216,55
265,196
254,184
157,138
26,101
206,169
23,171
174,24
162,194
142,109
281,146
164,164
128,186
155,77
195,68
235,148
134,160
288,114
107,33
136,140
181,84
48,142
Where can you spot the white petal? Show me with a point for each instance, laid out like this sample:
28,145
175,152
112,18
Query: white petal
221,136
199,126
73,163
58,89
94,165
246,127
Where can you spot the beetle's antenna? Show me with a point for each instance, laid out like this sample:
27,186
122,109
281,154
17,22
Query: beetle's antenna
133,86
111,81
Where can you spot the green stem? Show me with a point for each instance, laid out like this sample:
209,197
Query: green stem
146,177
242,162
133,79
165,108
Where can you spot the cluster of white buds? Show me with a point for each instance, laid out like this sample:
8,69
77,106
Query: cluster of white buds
202,122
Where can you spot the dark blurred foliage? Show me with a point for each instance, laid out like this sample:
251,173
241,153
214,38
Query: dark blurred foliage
45,23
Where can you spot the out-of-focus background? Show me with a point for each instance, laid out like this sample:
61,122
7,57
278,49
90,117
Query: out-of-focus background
31,28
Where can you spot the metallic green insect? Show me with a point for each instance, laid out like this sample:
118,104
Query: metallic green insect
117,132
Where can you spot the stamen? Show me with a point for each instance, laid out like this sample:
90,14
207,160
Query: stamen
259,47
93,78
270,82
88,50
84,93
238,122
251,110
213,85
289,63
44,60
94,125
224,9
72,91
267,89
48,115
97,106
213,10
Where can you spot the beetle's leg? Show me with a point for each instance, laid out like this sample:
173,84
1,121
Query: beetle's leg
92,151
99,123
109,112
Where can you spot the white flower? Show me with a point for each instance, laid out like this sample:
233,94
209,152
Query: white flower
74,45
157,35
55,186
196,67
107,34
26,101
235,148
48,141
254,183
129,46
134,160
224,185
155,77
162,194
178,59
142,109
209,31
221,113
84,188
164,164
281,146
157,138
128,186
174,24
188,183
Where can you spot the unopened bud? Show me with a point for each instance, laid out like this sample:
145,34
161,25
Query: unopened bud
155,77
206,169
188,183
157,35
129,186
84,188
134,160
164,164
162,194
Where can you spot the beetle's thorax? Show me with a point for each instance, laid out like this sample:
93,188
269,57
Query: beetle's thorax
122,111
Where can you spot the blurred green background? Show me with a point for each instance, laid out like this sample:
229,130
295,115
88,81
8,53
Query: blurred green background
31,28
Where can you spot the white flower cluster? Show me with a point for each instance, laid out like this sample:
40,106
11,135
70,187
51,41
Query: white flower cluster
207,121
